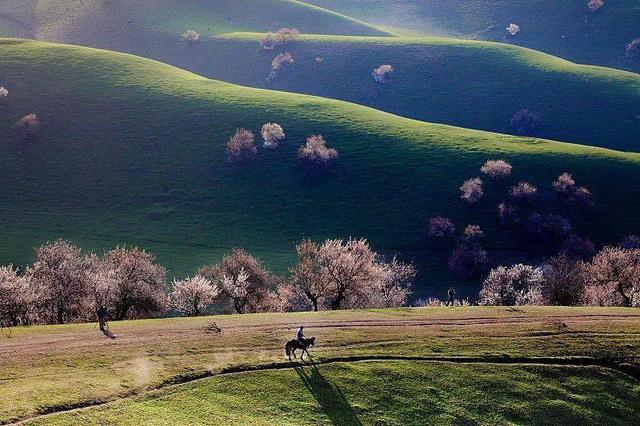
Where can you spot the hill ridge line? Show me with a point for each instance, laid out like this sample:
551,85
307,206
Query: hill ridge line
179,380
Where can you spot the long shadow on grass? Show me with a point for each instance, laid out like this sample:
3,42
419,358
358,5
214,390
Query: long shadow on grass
329,397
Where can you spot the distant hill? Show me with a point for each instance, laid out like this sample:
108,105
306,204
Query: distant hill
132,151
472,84
564,28
143,25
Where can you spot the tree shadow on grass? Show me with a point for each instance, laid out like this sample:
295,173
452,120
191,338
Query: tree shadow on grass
329,397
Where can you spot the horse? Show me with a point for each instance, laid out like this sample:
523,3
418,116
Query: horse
292,345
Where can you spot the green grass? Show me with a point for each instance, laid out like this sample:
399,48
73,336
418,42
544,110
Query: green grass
48,368
470,84
562,28
122,138
390,393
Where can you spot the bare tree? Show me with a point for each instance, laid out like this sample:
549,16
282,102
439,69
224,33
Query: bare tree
563,282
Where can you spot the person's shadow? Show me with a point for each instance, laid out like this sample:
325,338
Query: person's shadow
329,397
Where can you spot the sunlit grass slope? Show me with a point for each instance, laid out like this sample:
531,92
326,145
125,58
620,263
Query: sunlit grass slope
131,150
389,393
470,84
563,28
52,368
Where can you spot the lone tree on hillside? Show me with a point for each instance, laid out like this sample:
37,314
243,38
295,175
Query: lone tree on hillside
194,296
471,191
526,123
271,133
594,5
190,36
241,146
513,29
382,74
27,126
315,152
496,169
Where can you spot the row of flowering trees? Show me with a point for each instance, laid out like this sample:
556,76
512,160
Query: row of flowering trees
66,285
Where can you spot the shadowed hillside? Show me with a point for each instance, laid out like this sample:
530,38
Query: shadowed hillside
131,150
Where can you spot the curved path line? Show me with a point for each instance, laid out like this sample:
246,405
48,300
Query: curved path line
188,378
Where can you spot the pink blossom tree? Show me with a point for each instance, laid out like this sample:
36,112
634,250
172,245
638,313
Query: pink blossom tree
315,152
190,36
27,126
14,298
309,275
517,285
136,284
471,191
496,169
382,74
242,146
614,278
272,134
595,5
633,48
194,296
440,227
523,193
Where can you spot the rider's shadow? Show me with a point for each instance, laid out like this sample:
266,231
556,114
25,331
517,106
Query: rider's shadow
329,397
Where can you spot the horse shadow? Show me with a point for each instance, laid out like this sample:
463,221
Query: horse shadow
330,398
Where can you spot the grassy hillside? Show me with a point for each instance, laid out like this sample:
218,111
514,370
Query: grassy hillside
131,150
563,28
145,25
482,365
477,85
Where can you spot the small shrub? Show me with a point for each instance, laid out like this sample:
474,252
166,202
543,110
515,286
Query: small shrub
190,36
440,227
27,126
472,191
382,74
271,133
316,153
526,123
513,29
496,169
241,146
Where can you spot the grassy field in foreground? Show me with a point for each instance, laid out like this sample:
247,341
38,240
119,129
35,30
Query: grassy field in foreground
132,151
384,393
563,28
50,368
471,84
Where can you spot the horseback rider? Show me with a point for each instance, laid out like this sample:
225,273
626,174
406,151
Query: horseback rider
300,334
102,317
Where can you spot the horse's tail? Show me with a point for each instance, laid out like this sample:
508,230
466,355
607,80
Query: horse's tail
287,349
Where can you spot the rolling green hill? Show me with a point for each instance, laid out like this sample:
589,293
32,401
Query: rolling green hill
144,25
471,84
132,150
563,28
474,365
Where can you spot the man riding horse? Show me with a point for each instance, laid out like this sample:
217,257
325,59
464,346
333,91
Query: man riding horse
300,342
